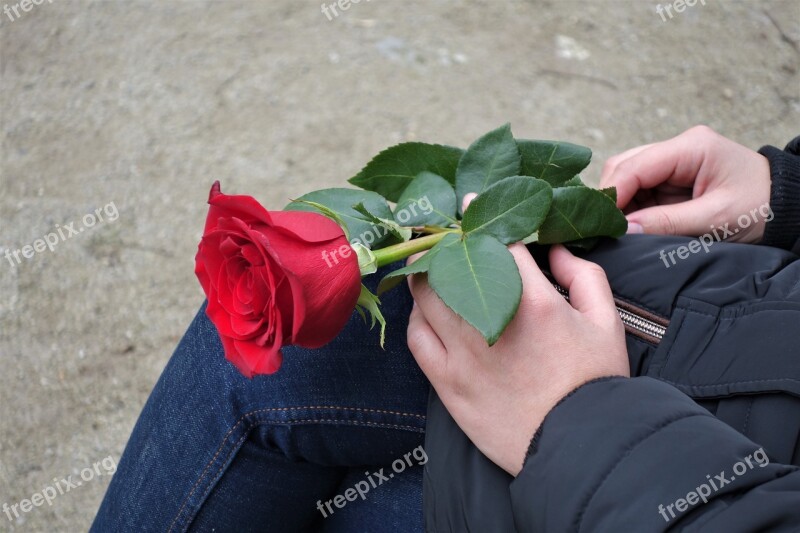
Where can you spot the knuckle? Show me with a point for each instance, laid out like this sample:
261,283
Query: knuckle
546,304
666,223
595,270
610,164
702,131
415,338
459,387
625,168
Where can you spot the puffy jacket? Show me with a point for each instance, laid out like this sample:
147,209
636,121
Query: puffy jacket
704,437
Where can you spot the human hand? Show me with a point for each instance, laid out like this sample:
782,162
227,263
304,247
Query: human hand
500,395
685,185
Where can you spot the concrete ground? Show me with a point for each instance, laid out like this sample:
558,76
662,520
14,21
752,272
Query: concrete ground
136,106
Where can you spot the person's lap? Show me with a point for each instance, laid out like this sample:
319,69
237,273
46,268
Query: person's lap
214,450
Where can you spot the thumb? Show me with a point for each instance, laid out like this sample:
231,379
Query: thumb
684,218
589,291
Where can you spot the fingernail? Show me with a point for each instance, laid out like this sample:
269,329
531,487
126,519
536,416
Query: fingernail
633,228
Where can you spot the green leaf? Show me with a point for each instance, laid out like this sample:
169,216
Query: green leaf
533,237
591,242
367,262
509,210
554,162
391,171
341,201
361,314
611,192
584,244
579,213
478,279
392,279
429,200
400,234
370,303
574,182
488,160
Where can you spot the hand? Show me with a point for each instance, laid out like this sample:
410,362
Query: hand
685,185
500,395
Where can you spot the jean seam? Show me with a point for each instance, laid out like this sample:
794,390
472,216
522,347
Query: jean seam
220,472
361,409
249,428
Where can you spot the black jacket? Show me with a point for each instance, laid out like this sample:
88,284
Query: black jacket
713,414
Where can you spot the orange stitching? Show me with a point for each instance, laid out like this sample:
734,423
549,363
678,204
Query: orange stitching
381,411
273,409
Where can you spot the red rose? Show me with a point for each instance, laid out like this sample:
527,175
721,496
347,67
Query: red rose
268,283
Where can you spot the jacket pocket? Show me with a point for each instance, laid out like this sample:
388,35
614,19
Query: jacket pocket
713,352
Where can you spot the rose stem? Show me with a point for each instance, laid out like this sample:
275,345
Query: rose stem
431,229
390,254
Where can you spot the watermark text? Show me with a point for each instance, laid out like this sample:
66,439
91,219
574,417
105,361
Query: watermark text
704,490
61,234
407,213
330,11
373,481
13,11
59,487
704,242
678,5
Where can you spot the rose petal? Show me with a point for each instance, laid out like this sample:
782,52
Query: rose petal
261,291
244,293
246,328
245,207
226,284
262,360
307,226
219,316
232,355
253,255
328,292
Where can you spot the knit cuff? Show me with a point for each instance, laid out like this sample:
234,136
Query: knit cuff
783,231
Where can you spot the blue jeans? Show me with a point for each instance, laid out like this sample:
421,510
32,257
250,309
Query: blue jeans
331,442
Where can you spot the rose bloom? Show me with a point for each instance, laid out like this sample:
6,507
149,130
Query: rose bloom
267,282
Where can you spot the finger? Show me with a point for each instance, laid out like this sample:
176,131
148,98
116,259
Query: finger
614,161
425,344
467,200
686,218
534,282
676,162
589,291
643,198
414,257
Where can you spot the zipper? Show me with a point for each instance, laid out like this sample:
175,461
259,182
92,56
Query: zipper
638,322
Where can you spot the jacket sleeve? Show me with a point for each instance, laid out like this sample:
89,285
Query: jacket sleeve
624,454
783,231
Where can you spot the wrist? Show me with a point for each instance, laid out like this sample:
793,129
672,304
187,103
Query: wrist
535,438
